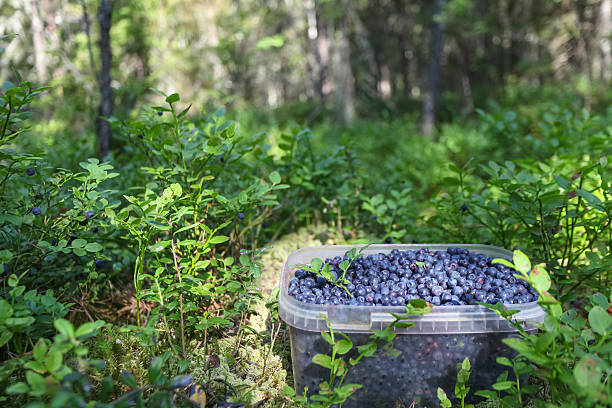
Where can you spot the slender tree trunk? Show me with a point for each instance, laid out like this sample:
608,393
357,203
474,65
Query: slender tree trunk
103,129
467,101
324,31
605,34
404,39
433,80
583,49
40,58
346,79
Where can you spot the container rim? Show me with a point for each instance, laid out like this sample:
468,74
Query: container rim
365,319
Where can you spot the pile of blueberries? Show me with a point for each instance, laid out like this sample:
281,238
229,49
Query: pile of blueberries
452,277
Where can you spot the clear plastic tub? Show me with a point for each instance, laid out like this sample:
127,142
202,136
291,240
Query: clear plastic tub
430,350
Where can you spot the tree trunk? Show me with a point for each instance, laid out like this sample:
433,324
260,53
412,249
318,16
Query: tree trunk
605,32
105,110
467,101
40,58
346,79
324,31
583,49
433,80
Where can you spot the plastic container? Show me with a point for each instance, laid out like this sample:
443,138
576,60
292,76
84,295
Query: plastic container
430,350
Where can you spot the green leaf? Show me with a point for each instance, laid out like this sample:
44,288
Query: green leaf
488,394
540,278
64,327
327,337
93,247
87,329
367,349
275,178
587,372
316,264
18,388
404,325
561,182
218,239
503,385
79,243
155,370
444,401
465,365
40,349
322,360
5,336
591,199
36,382
54,360
173,98
343,346
274,41
504,361
418,303
600,320
521,262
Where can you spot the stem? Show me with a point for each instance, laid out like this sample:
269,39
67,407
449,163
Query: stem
8,116
518,386
178,274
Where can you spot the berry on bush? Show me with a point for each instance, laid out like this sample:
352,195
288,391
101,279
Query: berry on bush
89,214
99,263
159,113
36,211
222,159
30,171
241,215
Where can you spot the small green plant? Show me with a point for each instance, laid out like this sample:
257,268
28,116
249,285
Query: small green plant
571,355
26,316
394,213
334,391
323,269
461,388
59,373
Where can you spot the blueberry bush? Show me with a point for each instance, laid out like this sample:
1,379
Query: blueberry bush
145,278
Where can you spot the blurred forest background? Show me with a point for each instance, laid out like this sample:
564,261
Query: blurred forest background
312,122
333,62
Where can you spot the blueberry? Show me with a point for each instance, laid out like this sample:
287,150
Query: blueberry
30,171
222,159
54,242
89,214
241,215
139,136
5,269
159,113
36,211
